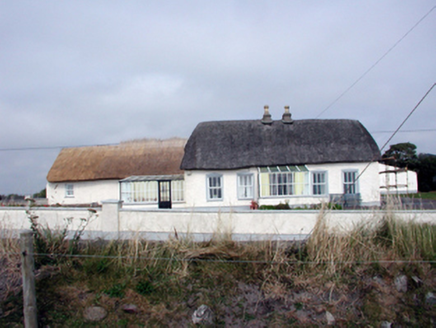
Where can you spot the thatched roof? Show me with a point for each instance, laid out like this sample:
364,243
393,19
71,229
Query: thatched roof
139,157
238,144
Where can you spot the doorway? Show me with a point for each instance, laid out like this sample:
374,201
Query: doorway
164,187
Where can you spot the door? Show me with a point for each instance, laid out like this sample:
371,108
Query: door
164,194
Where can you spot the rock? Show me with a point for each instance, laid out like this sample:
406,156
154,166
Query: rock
130,308
330,318
430,298
401,283
203,315
386,324
378,280
94,313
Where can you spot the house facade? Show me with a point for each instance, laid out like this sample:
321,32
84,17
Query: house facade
302,163
227,164
140,172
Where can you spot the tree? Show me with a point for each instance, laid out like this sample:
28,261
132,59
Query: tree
401,155
427,172
41,194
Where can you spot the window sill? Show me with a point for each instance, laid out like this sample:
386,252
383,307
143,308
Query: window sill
293,196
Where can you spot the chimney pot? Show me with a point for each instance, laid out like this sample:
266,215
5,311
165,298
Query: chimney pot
286,118
266,119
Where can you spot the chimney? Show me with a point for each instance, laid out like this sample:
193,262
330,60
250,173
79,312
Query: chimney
286,118
266,119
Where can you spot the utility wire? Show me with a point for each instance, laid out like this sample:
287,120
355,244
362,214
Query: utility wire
115,144
395,132
171,259
405,131
378,61
55,147
410,114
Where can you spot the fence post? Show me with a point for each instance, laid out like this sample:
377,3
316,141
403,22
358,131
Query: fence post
27,269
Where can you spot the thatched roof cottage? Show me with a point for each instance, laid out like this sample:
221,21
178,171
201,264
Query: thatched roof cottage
301,162
131,171
227,164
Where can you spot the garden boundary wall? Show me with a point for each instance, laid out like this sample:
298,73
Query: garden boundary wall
111,221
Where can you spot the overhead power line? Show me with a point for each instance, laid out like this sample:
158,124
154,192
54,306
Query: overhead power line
396,131
54,147
410,114
378,61
404,131
114,144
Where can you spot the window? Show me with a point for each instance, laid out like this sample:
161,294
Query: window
139,191
177,190
214,187
281,184
350,183
142,189
319,183
69,190
290,180
245,186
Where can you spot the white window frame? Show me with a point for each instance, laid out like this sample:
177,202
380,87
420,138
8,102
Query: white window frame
349,182
214,192
245,183
69,190
319,188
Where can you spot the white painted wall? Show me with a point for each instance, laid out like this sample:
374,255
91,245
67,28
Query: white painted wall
112,222
368,187
196,189
85,192
401,182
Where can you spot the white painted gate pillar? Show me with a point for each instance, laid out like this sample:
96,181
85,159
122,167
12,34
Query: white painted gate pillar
110,218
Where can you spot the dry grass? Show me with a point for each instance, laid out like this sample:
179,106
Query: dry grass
10,271
271,282
388,239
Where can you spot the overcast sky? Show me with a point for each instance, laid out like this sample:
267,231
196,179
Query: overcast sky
99,72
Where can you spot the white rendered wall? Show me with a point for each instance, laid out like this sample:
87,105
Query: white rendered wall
402,182
111,222
196,189
368,187
368,184
85,192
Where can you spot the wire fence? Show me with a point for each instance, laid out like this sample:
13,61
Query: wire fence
217,260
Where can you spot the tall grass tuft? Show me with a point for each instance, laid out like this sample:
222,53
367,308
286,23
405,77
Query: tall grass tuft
388,239
407,240
53,242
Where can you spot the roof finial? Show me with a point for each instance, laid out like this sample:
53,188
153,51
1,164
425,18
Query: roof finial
266,119
286,118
